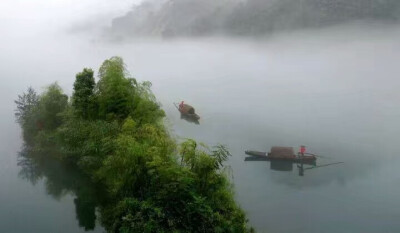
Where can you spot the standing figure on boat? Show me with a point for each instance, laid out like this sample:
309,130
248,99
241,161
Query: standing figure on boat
181,105
302,150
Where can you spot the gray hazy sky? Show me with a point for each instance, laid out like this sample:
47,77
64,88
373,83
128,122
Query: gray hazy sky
24,17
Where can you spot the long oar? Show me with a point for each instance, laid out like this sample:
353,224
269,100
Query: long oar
316,155
324,165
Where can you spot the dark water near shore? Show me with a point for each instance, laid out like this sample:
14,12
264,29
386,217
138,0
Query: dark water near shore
337,92
40,195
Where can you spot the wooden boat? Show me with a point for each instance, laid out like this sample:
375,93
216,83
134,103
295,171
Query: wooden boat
280,153
187,111
282,159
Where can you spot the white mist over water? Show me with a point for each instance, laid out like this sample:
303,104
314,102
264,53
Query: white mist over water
335,90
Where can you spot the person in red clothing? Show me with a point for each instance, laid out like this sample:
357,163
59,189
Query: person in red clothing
181,105
302,150
300,166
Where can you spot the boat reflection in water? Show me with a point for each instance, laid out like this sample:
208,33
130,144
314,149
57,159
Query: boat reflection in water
190,119
278,165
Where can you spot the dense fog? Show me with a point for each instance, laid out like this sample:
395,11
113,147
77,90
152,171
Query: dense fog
323,73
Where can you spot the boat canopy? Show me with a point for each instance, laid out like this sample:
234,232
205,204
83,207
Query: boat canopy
187,109
281,152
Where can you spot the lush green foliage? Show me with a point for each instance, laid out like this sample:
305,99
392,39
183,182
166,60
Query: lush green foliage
51,105
83,98
115,91
113,131
40,113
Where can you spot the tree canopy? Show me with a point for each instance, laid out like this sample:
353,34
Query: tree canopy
83,97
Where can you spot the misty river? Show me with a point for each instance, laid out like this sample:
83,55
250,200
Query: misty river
334,90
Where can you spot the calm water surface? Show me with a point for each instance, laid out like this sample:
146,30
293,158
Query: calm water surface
337,92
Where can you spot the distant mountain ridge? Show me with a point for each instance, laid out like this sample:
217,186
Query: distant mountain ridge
175,18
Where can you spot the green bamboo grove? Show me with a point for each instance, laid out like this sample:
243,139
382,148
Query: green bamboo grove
113,131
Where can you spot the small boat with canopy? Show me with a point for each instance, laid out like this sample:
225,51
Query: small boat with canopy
283,158
281,153
187,111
